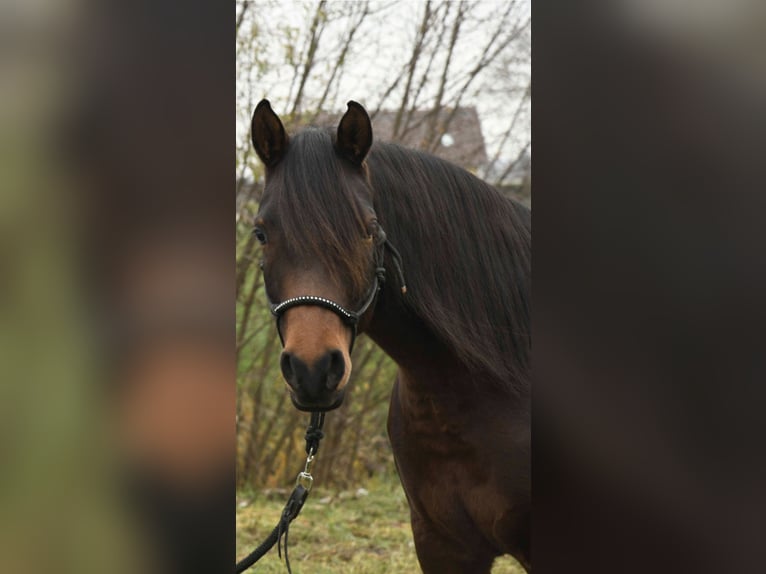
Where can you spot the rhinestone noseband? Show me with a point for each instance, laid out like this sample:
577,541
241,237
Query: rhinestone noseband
350,318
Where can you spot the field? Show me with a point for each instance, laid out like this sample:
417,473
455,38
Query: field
366,531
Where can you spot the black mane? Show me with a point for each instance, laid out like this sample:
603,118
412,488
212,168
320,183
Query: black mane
467,258
313,196
466,248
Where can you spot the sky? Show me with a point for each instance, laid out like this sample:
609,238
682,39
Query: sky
381,48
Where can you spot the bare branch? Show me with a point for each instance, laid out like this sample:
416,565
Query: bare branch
241,16
317,27
512,165
341,59
511,128
431,137
416,51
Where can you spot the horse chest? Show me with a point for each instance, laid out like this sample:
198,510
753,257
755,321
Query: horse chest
432,442
430,425
453,463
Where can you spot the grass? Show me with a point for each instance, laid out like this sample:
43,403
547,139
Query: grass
356,532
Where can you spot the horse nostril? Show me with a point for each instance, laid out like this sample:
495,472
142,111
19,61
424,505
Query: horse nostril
286,364
313,382
336,369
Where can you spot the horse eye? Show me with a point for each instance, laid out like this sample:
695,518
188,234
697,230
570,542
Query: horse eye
260,235
375,232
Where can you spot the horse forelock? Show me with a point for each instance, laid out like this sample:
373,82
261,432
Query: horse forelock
315,197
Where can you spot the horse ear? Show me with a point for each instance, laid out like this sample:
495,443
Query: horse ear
268,134
354,134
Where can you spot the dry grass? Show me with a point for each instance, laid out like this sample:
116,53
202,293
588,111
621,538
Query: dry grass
339,533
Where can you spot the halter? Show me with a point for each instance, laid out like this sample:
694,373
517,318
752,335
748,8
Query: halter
349,318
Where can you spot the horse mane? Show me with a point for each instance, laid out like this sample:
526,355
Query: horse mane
466,252
315,201
466,249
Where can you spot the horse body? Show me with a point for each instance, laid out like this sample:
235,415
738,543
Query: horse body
461,445
459,418
467,504
463,459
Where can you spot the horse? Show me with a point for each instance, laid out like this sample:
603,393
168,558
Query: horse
433,264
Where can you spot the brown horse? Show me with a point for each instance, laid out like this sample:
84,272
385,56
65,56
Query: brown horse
343,224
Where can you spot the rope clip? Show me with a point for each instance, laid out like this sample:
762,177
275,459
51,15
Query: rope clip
304,478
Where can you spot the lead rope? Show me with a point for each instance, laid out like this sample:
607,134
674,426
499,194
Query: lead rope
303,483
314,435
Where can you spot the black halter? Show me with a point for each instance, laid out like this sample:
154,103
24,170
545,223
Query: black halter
350,318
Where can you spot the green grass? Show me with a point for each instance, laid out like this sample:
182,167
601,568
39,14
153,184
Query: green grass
339,533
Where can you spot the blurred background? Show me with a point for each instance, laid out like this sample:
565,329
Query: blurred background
117,382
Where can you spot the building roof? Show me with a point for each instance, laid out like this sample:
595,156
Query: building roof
454,135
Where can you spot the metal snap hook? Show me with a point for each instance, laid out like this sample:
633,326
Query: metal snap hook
304,478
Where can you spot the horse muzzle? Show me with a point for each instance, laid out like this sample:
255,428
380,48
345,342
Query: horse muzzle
318,386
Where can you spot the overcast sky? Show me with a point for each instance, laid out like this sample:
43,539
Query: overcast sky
381,49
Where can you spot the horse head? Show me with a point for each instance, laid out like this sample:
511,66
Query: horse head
322,248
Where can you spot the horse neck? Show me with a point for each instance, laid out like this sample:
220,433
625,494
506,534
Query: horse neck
412,345
416,199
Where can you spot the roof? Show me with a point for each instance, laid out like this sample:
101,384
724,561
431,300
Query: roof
452,134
